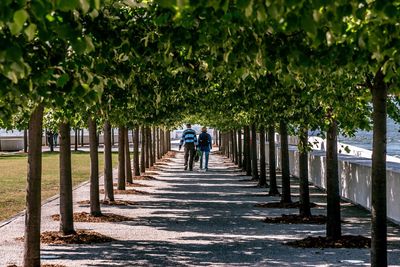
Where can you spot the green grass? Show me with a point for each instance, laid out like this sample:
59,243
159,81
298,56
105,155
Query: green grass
13,178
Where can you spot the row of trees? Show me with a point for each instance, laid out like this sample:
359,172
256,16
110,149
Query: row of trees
301,65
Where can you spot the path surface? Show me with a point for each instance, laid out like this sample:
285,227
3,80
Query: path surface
197,219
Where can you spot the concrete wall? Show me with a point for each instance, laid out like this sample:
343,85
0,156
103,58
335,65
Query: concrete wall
354,172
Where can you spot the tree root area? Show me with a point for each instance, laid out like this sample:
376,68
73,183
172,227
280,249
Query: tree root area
171,154
127,192
87,217
144,177
345,241
281,205
111,203
80,237
296,219
134,185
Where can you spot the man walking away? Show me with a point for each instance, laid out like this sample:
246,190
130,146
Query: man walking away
190,140
205,146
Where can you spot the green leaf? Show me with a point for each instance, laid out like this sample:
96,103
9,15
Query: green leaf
62,80
30,31
20,17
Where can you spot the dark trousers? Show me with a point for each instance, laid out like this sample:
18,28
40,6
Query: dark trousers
189,154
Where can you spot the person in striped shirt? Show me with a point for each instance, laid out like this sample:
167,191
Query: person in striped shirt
190,140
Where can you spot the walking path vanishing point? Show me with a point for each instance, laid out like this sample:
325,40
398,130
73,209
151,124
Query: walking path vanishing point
197,219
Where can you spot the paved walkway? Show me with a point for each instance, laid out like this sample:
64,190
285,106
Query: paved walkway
197,219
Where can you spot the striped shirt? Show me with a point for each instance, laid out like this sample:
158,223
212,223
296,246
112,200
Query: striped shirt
189,136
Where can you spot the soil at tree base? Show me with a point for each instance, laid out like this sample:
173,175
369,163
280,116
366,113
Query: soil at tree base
86,217
345,241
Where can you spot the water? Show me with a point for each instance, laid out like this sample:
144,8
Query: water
363,139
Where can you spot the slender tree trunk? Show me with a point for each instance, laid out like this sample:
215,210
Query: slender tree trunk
82,136
147,148
235,146
154,143
94,168
254,152
76,140
128,166
112,137
121,158
273,187
162,149
136,165
379,213
304,207
33,190
333,225
240,155
248,151
143,150
169,140
219,140
66,208
158,144
151,142
108,171
263,176
26,141
286,195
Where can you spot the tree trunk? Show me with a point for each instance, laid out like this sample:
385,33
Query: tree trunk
286,195
76,140
82,136
143,150
154,145
158,144
108,171
94,169
66,208
219,140
248,150
33,190
263,176
169,140
240,156
304,207
147,147
121,158
235,146
162,149
112,137
151,141
128,165
254,160
333,225
26,141
273,187
378,179
136,165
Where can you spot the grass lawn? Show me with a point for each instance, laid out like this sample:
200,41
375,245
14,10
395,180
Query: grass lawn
13,177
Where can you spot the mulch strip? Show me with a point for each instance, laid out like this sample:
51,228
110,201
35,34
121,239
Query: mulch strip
144,177
80,237
86,217
280,205
171,154
111,203
346,241
127,192
134,185
296,219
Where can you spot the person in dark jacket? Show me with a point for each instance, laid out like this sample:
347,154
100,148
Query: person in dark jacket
190,140
205,146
